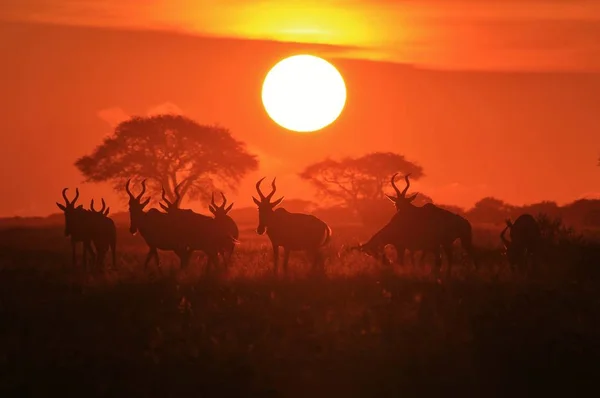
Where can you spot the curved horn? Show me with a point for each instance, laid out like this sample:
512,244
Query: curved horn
212,200
224,200
274,188
398,194
143,190
262,197
92,206
64,195
128,190
164,197
76,196
103,206
178,192
504,240
407,184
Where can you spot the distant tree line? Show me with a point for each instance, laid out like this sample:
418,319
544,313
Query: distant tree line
170,150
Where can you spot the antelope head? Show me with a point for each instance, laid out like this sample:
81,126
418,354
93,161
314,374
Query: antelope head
170,206
69,209
219,211
400,200
136,206
265,206
104,210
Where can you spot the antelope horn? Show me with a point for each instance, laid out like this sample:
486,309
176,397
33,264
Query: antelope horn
103,206
224,200
164,197
64,195
212,200
274,188
92,206
177,192
504,240
398,194
143,190
262,197
76,196
128,190
407,184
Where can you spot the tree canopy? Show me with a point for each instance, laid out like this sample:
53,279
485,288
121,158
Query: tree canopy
352,179
169,150
360,183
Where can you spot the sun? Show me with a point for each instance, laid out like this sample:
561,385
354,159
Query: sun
304,93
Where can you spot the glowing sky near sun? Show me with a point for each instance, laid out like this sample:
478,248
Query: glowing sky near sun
497,131
471,34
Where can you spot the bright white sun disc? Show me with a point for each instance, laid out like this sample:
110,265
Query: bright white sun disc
304,93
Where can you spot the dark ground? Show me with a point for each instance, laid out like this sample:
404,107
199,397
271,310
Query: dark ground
360,332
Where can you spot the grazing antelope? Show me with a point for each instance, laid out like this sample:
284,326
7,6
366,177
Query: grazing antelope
77,226
200,232
428,228
226,223
105,233
157,228
292,231
525,238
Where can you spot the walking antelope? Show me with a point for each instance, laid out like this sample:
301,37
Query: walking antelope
199,232
77,226
292,231
226,223
105,233
525,237
428,228
157,228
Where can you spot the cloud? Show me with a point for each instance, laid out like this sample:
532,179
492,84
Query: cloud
113,116
164,108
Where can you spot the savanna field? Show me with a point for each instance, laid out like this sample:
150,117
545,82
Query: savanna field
360,330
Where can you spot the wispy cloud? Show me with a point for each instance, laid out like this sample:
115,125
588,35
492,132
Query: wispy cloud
471,34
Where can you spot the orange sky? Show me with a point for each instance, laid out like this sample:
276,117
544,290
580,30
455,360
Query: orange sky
490,97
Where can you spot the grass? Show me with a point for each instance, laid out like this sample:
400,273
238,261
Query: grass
362,330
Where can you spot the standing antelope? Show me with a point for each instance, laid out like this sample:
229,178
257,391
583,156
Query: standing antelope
292,231
398,201
157,228
77,226
525,237
105,233
226,223
199,232
428,228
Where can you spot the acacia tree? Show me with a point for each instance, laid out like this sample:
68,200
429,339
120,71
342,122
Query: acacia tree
359,183
168,150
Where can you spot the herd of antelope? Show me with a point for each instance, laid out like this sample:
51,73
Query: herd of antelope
428,228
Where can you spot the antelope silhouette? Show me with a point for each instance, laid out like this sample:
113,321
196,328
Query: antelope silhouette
525,239
199,232
225,223
77,226
292,231
157,229
428,228
105,233
397,201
